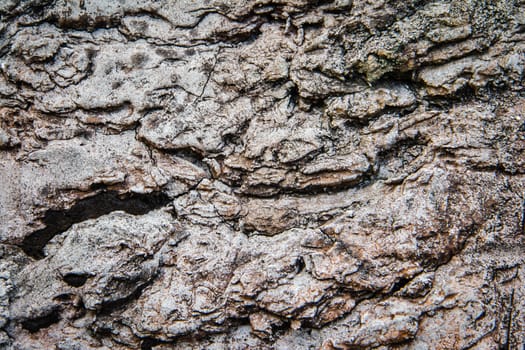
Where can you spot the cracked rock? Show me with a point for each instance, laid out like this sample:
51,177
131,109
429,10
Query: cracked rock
285,174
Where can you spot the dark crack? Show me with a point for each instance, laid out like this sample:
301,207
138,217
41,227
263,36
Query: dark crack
35,324
58,221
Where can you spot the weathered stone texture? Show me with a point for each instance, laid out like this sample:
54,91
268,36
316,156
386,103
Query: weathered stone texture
262,174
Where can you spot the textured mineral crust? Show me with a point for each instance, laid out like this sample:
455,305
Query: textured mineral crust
262,174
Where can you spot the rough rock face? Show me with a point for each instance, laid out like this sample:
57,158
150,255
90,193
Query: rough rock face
262,174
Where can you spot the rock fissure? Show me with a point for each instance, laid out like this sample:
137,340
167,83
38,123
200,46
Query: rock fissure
279,174
105,202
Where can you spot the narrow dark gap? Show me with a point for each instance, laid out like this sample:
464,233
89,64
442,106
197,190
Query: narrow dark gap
522,221
36,324
85,22
190,154
299,264
293,97
465,94
75,279
399,284
342,186
244,38
58,221
397,77
149,343
507,321
280,329
236,138
271,191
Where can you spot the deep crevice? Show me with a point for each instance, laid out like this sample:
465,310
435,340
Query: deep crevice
75,279
36,324
148,343
58,221
400,283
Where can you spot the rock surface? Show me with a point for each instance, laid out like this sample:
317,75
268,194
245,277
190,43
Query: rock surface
262,174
